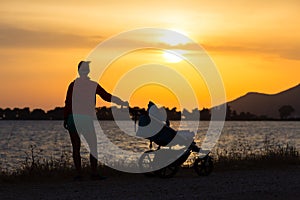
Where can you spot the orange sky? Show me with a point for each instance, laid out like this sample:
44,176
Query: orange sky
254,44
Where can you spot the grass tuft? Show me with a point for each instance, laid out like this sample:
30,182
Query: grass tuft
243,156
240,156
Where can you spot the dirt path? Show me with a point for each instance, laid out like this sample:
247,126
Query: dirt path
250,184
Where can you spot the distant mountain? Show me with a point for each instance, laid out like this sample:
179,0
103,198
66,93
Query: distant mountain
268,104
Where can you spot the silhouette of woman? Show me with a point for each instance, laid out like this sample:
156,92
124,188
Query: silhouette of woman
79,114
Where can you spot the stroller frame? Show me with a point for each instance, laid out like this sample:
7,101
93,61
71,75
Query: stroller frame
203,165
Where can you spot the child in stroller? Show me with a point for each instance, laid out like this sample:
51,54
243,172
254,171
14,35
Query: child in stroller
154,126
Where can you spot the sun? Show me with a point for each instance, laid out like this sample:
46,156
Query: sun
176,40
171,57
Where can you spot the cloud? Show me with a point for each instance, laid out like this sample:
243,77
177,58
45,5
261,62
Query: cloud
291,53
15,37
286,51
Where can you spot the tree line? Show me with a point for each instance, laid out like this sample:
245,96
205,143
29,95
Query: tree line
106,113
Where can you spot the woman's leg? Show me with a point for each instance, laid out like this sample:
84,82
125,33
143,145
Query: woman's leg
91,138
75,139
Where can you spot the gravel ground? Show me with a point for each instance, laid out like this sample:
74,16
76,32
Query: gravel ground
243,184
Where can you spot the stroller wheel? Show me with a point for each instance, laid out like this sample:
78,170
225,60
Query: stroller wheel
146,162
167,172
204,166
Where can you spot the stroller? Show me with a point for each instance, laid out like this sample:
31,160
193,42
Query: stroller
167,139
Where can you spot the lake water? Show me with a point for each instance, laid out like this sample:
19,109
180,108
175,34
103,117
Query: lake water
50,139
